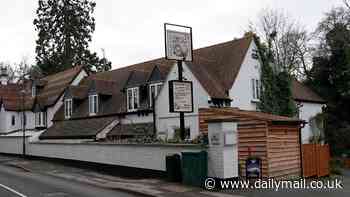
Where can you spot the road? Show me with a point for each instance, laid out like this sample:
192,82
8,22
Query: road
19,183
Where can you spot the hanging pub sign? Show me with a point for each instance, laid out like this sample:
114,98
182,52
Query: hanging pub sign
253,168
181,96
178,42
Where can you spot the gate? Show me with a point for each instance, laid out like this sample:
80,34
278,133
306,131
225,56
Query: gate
315,160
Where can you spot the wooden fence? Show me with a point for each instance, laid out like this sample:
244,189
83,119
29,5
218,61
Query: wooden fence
315,158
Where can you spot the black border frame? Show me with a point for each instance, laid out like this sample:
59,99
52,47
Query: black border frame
165,40
171,96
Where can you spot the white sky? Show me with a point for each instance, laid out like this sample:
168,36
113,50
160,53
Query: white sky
132,31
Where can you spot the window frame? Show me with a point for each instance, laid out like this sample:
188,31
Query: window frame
40,119
135,94
93,104
34,89
157,88
68,108
256,88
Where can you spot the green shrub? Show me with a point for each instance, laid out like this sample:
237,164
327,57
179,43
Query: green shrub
335,166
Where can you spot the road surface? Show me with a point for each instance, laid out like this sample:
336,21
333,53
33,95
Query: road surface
19,183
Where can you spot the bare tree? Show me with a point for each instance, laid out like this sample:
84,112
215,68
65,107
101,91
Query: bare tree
347,3
10,70
287,39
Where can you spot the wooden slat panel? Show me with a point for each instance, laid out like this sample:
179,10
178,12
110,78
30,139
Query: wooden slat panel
277,145
283,151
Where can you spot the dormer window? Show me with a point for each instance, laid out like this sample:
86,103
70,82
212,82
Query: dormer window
133,99
68,108
40,119
33,91
93,104
154,90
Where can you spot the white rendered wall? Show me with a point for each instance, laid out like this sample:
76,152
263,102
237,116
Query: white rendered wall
2,119
241,91
307,111
52,110
166,121
6,120
139,156
79,77
134,119
223,150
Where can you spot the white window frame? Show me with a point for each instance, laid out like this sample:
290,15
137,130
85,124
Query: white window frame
40,119
93,104
157,87
256,89
33,91
134,99
68,108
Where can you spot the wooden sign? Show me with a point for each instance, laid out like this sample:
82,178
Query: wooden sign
180,96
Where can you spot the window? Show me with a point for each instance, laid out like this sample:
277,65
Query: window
13,120
154,90
40,119
68,108
133,99
93,104
33,91
255,54
256,89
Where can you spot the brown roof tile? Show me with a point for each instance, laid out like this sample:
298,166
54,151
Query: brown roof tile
301,92
56,84
77,129
12,99
235,112
216,67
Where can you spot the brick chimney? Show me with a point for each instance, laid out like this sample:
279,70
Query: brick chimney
4,77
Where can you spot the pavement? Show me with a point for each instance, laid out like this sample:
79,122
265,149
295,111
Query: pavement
151,187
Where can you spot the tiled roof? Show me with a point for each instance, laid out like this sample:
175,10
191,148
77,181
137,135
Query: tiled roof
235,112
303,93
56,84
12,99
77,129
52,86
216,67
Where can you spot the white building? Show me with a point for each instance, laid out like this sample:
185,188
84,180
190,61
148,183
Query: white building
35,100
118,104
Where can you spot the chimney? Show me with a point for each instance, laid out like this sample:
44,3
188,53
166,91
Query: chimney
249,34
3,76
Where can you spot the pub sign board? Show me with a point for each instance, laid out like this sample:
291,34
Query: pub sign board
178,42
180,96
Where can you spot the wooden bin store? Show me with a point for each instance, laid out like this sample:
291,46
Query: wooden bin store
274,139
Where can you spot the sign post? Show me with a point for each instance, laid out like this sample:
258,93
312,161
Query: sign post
178,46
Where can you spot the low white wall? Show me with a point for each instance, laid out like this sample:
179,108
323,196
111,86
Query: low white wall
12,144
139,156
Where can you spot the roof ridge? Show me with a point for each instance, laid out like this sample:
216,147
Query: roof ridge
223,43
79,67
163,58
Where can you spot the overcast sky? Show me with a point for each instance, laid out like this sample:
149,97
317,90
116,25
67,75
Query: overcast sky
132,31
